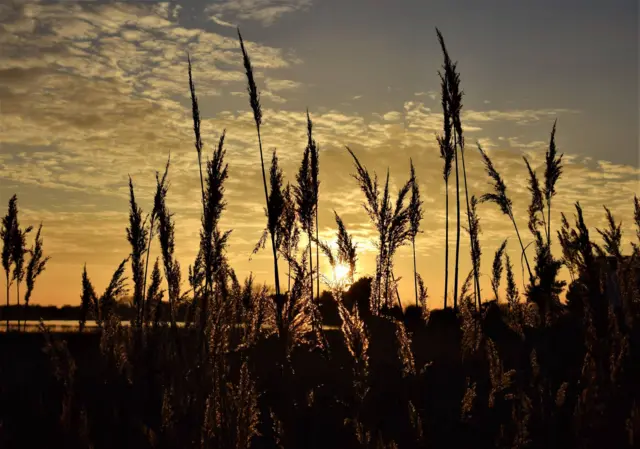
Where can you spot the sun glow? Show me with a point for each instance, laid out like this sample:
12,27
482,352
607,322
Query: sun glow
341,274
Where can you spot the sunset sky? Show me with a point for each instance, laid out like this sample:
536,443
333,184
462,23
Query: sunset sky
91,92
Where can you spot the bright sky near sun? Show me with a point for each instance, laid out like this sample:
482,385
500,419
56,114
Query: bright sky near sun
91,92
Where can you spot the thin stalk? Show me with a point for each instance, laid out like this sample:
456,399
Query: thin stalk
446,244
415,270
393,278
266,197
317,255
18,297
549,222
455,281
311,266
476,284
521,246
7,301
146,270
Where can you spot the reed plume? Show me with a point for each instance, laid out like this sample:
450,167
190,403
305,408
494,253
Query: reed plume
347,249
423,298
7,233
496,271
155,294
536,207
305,202
137,236
117,287
37,264
289,230
254,101
405,354
476,251
553,170
612,235
499,197
195,112
88,300
212,240
167,244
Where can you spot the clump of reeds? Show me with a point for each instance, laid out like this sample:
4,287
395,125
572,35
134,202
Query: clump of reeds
545,291
392,222
452,107
14,252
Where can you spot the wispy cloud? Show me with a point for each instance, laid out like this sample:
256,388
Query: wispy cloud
221,22
264,11
278,85
431,94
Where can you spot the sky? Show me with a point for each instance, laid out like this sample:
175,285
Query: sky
92,92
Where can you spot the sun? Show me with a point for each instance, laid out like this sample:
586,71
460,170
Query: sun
341,273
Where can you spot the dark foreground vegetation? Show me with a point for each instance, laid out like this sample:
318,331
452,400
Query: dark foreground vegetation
254,367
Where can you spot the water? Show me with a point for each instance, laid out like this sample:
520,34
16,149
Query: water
52,325
73,325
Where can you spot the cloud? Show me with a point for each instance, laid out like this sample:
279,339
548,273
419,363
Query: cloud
521,117
392,116
222,22
431,94
264,11
278,85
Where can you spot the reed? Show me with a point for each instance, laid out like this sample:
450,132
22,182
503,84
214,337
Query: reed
6,233
500,198
415,216
254,102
